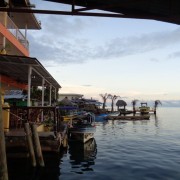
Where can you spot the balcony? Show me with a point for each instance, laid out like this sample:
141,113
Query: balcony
13,29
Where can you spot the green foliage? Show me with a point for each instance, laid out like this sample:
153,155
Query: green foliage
49,122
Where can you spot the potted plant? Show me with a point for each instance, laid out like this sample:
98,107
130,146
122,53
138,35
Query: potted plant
48,124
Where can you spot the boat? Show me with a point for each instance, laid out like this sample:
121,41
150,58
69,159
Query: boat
82,128
124,112
144,109
83,152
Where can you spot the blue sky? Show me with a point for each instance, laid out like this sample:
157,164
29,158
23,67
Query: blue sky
131,58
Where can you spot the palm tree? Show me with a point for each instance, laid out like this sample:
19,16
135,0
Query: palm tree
113,98
156,104
104,98
134,102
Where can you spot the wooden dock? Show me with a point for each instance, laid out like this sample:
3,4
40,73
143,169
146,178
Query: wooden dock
29,138
129,118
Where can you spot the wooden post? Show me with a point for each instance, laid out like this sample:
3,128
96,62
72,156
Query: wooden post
30,144
3,160
37,145
64,142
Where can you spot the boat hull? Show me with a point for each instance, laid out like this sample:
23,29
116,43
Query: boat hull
82,134
80,137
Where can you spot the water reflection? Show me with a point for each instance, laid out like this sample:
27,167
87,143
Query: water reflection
82,156
21,169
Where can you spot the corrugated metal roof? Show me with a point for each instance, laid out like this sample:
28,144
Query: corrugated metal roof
17,67
15,94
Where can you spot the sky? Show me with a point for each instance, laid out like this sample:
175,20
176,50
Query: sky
130,58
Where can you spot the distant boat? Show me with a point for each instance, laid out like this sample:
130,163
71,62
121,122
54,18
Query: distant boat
83,128
144,108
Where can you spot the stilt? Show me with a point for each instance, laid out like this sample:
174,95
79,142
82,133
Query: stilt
65,141
37,146
30,144
3,160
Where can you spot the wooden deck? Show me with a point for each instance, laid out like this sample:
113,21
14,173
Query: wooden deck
129,118
35,141
16,139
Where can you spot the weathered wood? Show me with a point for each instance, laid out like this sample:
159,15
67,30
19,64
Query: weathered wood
3,160
65,141
132,118
30,144
37,146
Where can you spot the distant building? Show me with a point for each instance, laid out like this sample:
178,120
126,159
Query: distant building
69,96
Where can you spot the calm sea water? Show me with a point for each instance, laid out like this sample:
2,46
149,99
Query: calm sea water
126,150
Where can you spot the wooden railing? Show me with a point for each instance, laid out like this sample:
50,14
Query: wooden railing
20,115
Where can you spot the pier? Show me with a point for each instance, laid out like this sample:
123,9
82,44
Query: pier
28,137
130,118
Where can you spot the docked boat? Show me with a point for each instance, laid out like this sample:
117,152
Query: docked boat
83,152
124,112
144,109
83,128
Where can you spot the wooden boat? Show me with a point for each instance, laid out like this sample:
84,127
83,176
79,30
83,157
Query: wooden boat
83,128
83,152
144,109
124,112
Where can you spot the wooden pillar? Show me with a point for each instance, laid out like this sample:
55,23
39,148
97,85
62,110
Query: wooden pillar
37,145
50,95
3,161
42,98
29,86
55,120
30,144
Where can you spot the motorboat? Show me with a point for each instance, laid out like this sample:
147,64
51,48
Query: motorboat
82,128
144,108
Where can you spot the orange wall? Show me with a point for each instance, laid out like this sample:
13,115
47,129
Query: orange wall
12,83
13,40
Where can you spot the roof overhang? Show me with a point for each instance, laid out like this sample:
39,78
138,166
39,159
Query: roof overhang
28,20
17,68
161,10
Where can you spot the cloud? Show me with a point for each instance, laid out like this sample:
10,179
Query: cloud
174,55
87,85
119,47
154,60
63,40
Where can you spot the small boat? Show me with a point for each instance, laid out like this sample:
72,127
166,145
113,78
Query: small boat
83,152
144,109
82,128
124,112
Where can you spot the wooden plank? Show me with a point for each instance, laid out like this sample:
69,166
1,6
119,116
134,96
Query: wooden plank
128,117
